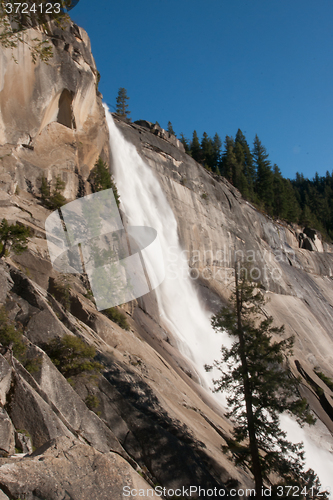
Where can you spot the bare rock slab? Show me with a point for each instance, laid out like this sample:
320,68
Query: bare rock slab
66,469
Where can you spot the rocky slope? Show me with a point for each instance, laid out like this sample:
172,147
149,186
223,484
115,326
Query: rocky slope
142,420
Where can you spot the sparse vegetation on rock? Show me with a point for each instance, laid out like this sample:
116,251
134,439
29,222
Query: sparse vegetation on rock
51,197
100,179
13,237
72,356
61,291
117,316
10,336
92,402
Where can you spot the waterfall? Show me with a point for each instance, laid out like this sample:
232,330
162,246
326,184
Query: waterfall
145,204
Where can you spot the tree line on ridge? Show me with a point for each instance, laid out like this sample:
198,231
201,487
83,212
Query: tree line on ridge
301,200
306,202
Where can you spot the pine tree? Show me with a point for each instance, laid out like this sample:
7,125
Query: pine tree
57,200
45,189
248,167
228,164
279,205
239,178
259,386
170,129
122,106
100,179
196,148
185,143
264,180
293,209
207,151
52,199
217,145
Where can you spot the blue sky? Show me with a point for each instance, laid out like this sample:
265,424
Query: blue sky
264,66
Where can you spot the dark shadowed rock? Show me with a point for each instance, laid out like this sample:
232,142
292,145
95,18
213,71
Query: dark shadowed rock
150,435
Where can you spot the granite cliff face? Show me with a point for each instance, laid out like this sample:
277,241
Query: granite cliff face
143,420
51,120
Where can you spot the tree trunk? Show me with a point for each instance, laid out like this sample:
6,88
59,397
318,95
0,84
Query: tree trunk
254,450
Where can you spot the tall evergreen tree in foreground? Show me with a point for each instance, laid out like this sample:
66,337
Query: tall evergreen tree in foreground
259,388
122,106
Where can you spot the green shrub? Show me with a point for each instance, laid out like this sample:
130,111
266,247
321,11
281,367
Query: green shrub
13,236
92,402
72,356
101,179
62,291
117,317
10,334
33,365
52,199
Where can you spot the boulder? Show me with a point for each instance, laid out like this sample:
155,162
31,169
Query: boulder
307,243
7,438
23,442
315,237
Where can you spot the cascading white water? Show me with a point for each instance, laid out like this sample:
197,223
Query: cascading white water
145,204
